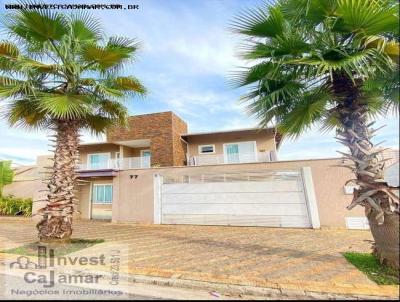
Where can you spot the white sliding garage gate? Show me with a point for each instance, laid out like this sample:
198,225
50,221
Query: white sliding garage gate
268,198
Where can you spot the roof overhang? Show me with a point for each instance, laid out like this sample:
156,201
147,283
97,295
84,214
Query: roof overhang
136,143
97,173
278,137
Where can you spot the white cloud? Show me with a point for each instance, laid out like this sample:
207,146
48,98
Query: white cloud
186,57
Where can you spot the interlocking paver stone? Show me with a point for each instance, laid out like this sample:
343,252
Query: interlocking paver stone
236,255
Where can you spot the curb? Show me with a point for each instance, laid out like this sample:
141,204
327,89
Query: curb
243,290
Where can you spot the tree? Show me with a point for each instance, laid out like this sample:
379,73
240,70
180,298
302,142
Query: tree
6,174
332,63
59,72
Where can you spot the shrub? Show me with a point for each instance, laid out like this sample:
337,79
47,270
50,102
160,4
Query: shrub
11,205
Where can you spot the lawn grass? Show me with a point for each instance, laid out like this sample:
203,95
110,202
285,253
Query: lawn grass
369,264
31,249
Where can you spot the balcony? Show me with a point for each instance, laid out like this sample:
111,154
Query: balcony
117,164
237,158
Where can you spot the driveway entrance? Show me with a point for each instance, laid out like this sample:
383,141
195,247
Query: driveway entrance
270,198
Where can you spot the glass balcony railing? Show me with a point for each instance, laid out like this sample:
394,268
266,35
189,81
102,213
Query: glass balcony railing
118,164
234,158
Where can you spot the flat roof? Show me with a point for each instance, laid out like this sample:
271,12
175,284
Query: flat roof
278,136
97,143
226,131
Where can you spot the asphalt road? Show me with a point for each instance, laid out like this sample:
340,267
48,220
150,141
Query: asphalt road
9,285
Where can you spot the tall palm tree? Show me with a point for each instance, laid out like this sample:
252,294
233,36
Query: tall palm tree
58,72
333,63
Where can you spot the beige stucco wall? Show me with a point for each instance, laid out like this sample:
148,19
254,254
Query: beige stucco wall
264,140
134,197
21,189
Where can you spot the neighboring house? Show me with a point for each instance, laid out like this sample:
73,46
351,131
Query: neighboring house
154,171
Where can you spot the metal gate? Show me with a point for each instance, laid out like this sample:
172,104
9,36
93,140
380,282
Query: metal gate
265,198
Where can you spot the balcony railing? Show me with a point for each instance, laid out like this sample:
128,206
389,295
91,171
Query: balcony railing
118,164
239,158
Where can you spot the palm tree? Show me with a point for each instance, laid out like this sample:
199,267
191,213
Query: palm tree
6,174
332,63
63,76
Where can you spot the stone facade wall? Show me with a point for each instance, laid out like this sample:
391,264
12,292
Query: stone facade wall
162,129
179,127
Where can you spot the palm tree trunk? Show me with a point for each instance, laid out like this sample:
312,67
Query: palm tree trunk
56,223
373,193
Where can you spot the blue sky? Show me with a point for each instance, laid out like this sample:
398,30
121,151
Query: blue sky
186,56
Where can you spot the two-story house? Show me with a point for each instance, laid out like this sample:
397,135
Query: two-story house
162,140
155,171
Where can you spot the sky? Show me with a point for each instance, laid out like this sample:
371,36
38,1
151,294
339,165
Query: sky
185,60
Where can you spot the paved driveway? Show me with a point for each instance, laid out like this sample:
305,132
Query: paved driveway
237,255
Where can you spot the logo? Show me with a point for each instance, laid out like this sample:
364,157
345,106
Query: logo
88,273
23,262
46,260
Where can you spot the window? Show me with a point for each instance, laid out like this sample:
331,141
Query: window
145,153
145,156
102,194
99,160
206,149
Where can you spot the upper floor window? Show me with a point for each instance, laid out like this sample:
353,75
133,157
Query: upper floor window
206,149
99,160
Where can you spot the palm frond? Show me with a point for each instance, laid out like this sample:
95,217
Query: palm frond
37,25
25,113
292,44
113,55
246,76
266,22
113,110
130,85
9,50
305,113
85,27
367,17
358,63
97,124
13,88
64,106
308,12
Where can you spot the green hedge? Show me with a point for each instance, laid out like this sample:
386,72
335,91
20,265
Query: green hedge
11,205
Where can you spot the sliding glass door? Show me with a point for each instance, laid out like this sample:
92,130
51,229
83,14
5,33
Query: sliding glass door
242,152
99,161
